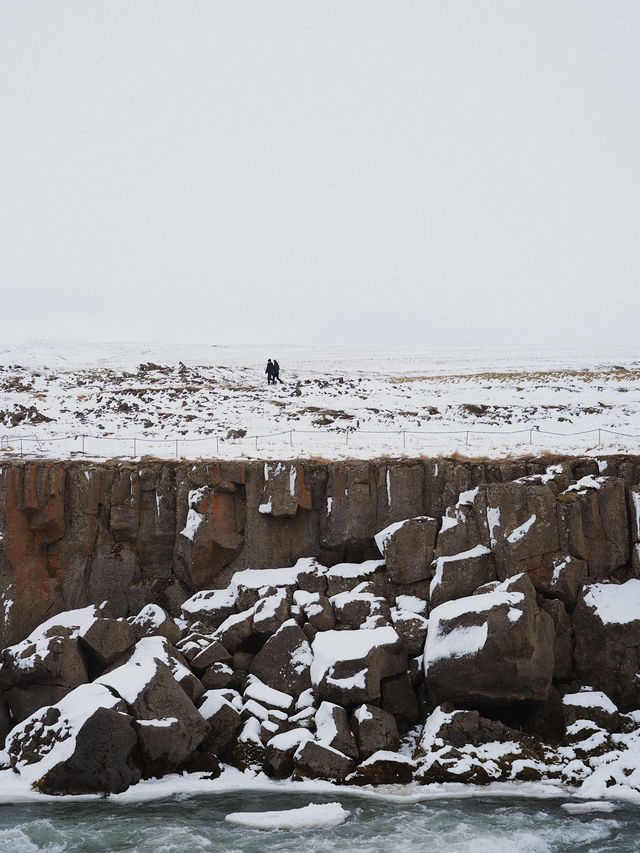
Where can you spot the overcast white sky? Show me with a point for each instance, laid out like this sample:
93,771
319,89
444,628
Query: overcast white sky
357,171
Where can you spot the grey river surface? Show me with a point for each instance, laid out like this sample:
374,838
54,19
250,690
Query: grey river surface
194,823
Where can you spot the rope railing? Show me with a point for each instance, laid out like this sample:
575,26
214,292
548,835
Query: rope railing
9,442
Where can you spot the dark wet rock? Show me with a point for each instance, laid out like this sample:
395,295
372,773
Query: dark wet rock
280,751
375,729
407,548
384,768
220,708
154,621
348,666
284,662
332,729
606,623
314,760
107,639
490,649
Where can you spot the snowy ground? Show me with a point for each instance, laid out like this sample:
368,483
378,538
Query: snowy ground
60,400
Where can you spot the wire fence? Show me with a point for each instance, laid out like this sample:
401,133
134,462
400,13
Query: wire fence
178,447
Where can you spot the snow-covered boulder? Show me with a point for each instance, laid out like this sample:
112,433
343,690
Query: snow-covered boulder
384,768
316,608
411,627
562,578
492,648
593,705
458,575
247,751
521,521
209,607
462,746
606,622
206,655
375,730
593,524
221,710
313,760
332,729
348,665
217,676
168,724
284,662
235,630
270,611
105,640
154,621
81,745
280,750
634,512
345,577
48,664
360,607
407,547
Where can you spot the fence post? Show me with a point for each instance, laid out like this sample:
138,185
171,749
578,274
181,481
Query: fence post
530,436
467,441
290,438
217,445
177,457
21,448
83,445
404,438
347,437
134,447
256,442
598,436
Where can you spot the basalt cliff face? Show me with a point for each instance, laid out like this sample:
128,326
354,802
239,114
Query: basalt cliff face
365,622
75,533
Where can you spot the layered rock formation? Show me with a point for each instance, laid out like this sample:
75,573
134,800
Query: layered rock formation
435,621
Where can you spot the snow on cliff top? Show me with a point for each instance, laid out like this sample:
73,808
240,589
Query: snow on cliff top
335,402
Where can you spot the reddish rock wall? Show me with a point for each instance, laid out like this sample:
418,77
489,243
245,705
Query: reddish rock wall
75,533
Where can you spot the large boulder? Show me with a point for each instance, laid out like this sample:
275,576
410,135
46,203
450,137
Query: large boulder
384,768
81,745
332,729
221,710
407,547
522,524
593,524
209,607
280,751
348,666
284,662
459,575
493,648
606,623
375,730
107,639
49,663
315,760
154,621
360,607
168,724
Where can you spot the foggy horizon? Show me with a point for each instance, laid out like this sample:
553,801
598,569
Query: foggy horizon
365,174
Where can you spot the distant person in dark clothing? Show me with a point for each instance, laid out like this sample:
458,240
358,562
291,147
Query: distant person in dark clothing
276,372
270,372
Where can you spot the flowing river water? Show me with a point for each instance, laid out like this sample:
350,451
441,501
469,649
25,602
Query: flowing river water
196,823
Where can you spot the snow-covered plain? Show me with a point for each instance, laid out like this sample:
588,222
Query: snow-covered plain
61,400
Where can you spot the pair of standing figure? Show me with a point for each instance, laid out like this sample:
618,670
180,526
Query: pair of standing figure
273,372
